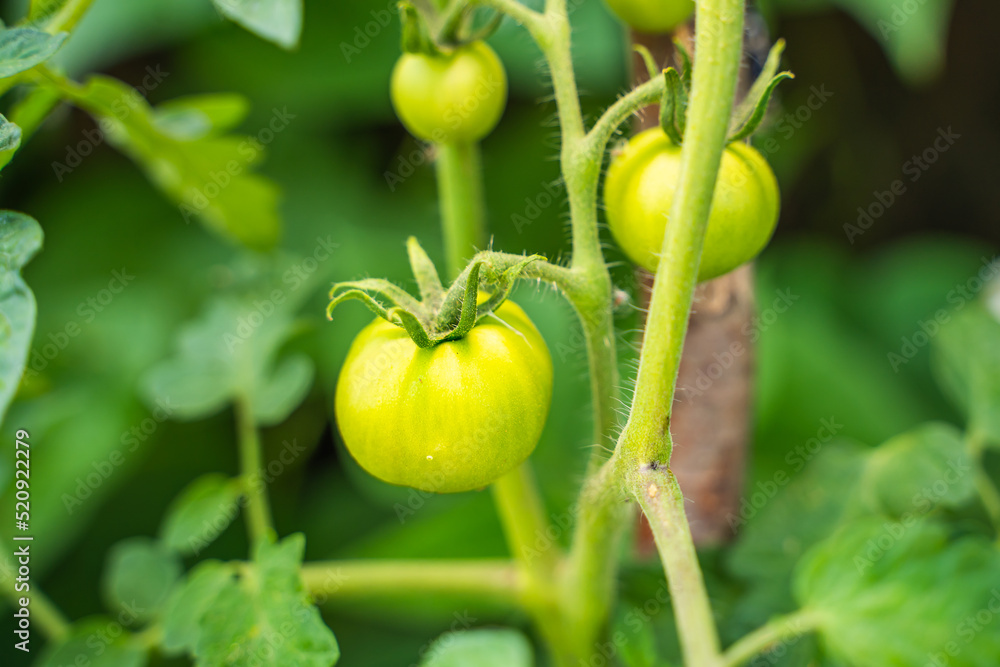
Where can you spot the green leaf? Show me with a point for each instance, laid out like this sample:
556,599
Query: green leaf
139,576
197,116
201,513
479,648
20,239
897,593
10,140
231,352
207,175
914,473
265,615
278,21
95,642
187,604
966,362
23,48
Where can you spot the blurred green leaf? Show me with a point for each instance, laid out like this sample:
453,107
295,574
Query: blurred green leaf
200,513
897,593
638,645
188,603
917,471
208,177
779,529
967,364
197,116
10,140
278,21
23,48
266,616
95,642
20,238
139,577
479,648
231,352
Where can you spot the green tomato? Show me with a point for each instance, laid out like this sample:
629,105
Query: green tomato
453,417
639,192
652,16
450,98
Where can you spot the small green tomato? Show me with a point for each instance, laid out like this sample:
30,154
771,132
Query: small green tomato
652,16
639,192
450,418
456,97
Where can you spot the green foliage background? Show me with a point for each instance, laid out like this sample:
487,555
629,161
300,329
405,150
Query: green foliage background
825,358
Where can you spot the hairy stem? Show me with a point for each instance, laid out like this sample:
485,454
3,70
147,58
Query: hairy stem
720,40
66,16
785,629
460,185
258,511
525,524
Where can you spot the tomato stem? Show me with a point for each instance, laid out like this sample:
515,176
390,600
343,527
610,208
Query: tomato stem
782,630
490,582
460,188
258,511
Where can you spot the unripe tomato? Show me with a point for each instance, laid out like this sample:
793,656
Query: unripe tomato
455,97
639,191
652,16
449,418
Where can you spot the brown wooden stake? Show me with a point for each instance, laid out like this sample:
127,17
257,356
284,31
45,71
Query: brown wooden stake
711,414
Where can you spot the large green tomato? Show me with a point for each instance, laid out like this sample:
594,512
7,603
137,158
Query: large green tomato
652,16
449,418
639,191
455,97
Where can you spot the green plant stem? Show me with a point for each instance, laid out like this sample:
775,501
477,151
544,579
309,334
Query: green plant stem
46,615
461,193
787,628
720,41
67,16
662,502
525,523
492,581
988,492
258,512
645,445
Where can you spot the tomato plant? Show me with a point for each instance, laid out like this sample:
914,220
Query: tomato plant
464,461
744,206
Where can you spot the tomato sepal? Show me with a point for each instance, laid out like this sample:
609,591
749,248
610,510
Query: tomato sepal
439,316
750,112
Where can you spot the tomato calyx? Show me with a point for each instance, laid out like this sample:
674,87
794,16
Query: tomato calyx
749,113
439,315
429,31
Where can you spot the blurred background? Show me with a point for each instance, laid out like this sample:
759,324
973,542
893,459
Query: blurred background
865,101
